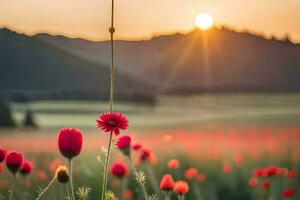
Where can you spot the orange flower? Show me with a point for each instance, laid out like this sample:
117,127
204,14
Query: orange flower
173,164
181,187
191,173
167,182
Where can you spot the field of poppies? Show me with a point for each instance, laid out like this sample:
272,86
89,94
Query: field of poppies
226,147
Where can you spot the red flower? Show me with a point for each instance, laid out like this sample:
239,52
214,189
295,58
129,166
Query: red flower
191,173
173,164
289,193
70,142
201,177
292,174
3,153
145,155
136,147
167,182
253,182
1,168
271,171
26,168
14,161
266,185
260,172
181,187
42,176
112,122
123,143
128,194
119,169
282,171
227,168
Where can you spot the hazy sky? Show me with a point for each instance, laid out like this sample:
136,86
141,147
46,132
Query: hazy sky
143,18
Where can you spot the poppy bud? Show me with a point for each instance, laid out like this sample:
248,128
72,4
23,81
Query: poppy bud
119,169
124,143
14,161
70,142
167,182
3,153
62,174
26,168
181,188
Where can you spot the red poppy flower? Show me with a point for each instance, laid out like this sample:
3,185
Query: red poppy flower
145,155
266,185
292,174
26,168
289,193
119,169
70,142
128,194
227,168
282,171
1,168
260,172
271,171
42,176
253,182
173,164
14,161
3,153
191,173
113,122
181,187
123,143
167,182
136,147
201,177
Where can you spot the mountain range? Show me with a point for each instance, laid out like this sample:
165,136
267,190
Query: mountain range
218,60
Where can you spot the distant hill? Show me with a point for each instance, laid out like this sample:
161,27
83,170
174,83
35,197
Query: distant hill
32,69
218,60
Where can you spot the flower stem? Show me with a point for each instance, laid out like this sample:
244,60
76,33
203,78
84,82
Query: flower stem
105,174
11,191
68,193
70,161
142,186
40,196
168,196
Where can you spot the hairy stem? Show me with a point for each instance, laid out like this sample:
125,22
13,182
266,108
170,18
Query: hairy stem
68,193
70,161
11,191
142,186
43,193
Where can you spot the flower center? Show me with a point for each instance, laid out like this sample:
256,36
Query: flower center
112,123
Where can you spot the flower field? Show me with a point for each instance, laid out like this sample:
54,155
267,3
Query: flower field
221,163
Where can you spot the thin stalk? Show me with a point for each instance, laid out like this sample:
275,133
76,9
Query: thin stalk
105,174
111,97
68,193
11,191
70,161
43,193
135,172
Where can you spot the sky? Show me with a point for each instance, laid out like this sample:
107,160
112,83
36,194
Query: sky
141,19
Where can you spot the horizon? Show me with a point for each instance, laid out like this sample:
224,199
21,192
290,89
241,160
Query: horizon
91,20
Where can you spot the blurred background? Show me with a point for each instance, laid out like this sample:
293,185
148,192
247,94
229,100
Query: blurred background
216,72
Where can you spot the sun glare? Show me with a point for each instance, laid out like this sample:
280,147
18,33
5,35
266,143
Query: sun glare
204,21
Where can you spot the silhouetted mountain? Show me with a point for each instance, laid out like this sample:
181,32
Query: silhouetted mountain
33,69
216,60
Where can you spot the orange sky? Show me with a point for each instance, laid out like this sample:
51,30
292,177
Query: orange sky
143,18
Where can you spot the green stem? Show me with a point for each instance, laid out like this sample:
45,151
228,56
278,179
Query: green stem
43,193
142,186
168,196
11,191
68,193
70,161
105,174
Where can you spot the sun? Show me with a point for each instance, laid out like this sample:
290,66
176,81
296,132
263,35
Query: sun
204,21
